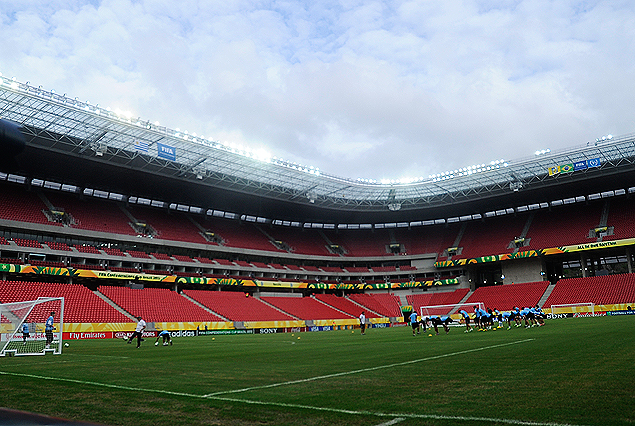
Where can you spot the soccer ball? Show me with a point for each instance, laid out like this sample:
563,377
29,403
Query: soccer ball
156,343
66,344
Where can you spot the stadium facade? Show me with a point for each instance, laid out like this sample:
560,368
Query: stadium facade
90,153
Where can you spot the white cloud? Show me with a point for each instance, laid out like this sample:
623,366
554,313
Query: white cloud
368,89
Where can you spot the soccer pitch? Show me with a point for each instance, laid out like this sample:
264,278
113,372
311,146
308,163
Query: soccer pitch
571,371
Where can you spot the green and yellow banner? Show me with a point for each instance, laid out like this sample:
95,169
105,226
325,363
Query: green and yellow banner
535,253
168,279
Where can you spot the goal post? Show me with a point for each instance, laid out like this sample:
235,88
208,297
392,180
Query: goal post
23,329
451,309
572,308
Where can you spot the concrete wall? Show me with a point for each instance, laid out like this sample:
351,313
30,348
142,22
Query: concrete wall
523,270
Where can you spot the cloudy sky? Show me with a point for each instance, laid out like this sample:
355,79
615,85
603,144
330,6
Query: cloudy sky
357,88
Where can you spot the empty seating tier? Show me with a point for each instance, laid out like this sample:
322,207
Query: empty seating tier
603,290
80,304
93,214
344,304
157,305
386,305
22,206
437,298
305,308
235,306
506,297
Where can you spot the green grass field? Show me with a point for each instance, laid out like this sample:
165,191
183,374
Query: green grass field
571,371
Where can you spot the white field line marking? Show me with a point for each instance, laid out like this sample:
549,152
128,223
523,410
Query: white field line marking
364,370
488,420
392,422
104,385
295,406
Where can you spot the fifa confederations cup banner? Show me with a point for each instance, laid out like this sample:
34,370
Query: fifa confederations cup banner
536,253
169,279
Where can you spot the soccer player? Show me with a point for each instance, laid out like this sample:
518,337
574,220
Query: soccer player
25,332
141,325
423,323
444,321
414,323
498,317
167,339
508,316
48,329
486,318
532,317
466,318
362,322
540,316
525,313
477,317
518,318
489,318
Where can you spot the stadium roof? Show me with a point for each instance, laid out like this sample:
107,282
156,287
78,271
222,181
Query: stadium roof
88,146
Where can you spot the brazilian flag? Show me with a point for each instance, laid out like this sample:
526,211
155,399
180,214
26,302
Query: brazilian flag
566,168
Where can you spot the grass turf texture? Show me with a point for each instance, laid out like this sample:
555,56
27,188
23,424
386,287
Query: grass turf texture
572,371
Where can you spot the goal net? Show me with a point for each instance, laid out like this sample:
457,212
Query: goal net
24,330
572,308
451,309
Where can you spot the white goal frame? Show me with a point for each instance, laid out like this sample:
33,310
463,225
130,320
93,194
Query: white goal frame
589,305
481,305
34,313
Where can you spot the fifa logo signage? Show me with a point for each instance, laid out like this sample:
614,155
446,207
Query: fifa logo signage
166,151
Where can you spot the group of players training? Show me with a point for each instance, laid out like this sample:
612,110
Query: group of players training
483,319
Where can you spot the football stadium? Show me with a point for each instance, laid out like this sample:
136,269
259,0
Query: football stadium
259,270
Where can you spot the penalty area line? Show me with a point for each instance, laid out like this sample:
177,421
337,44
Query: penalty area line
103,385
365,370
395,416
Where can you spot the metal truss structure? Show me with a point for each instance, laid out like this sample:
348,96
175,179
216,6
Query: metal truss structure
67,126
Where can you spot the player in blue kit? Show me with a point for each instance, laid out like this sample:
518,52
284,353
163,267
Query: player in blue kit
167,339
466,319
486,320
509,317
498,317
477,317
414,323
443,320
25,332
525,315
540,316
49,326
